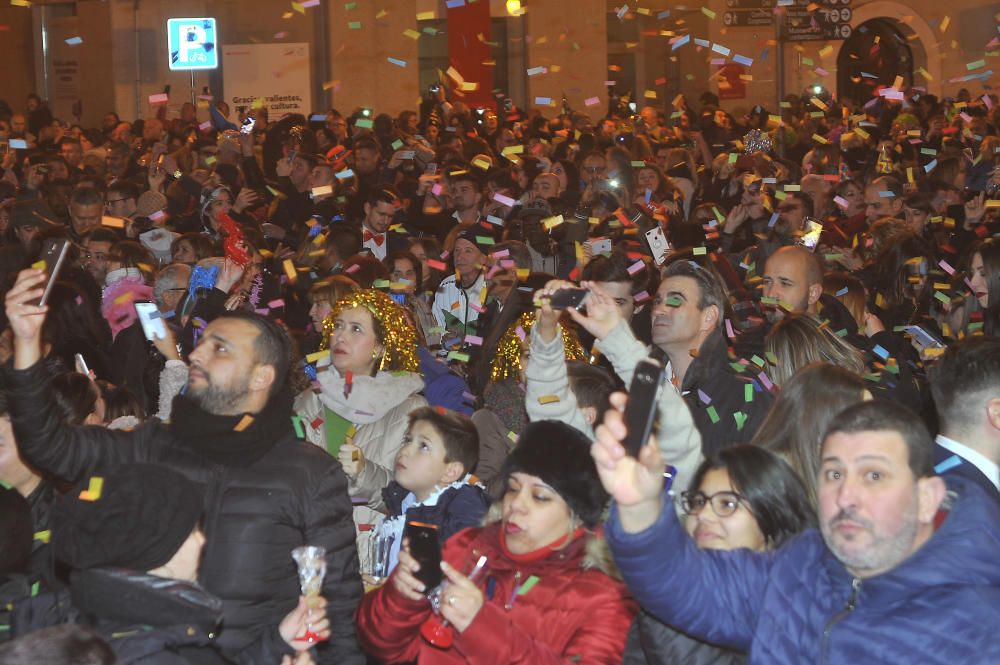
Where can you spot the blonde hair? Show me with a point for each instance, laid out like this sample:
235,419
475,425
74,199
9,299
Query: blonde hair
801,339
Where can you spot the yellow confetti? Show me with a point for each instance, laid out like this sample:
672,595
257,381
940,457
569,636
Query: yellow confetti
94,489
548,399
945,22
411,33
245,422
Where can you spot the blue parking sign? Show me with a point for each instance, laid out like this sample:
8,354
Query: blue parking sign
192,43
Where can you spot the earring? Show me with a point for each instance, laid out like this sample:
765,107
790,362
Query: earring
381,363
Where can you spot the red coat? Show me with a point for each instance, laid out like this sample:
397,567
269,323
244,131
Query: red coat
569,615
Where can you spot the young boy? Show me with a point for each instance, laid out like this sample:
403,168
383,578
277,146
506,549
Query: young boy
432,483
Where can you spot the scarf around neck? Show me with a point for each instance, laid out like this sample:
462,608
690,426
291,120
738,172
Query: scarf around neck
237,440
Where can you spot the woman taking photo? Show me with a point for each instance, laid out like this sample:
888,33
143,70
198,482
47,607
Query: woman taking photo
367,392
746,497
546,595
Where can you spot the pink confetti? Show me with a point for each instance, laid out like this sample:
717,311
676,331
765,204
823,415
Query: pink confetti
636,267
946,267
592,101
503,200
474,339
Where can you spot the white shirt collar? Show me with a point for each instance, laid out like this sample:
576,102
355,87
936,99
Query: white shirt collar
975,458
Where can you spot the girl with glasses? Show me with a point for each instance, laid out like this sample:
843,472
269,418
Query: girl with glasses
742,497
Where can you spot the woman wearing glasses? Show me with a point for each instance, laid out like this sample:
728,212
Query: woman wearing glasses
746,497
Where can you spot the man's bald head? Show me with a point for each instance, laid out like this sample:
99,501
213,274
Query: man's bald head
793,276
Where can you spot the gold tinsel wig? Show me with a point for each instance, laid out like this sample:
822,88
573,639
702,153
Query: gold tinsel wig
507,362
399,339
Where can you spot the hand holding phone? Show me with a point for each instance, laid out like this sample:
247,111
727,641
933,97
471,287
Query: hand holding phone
151,320
643,401
425,547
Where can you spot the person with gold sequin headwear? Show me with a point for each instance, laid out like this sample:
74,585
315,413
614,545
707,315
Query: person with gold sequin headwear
367,391
503,416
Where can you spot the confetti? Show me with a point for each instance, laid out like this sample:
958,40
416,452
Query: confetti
94,489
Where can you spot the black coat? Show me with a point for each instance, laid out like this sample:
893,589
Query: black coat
147,620
715,392
294,494
652,642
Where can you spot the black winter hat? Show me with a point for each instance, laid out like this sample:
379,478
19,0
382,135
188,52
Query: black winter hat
140,518
560,456
481,234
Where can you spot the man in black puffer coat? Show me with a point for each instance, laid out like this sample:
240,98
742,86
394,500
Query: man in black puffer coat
266,492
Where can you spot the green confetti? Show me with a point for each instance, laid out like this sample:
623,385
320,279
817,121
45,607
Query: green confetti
741,420
841,333
771,358
354,25
748,393
757,360
673,301
364,123
713,415
942,297
699,251
397,144
528,585
35,588
297,423
461,357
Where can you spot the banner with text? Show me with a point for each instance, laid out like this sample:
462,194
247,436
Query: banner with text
271,76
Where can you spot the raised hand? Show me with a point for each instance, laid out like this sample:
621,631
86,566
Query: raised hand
602,313
636,485
25,317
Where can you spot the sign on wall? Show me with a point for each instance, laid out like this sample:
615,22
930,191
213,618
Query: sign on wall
271,76
192,43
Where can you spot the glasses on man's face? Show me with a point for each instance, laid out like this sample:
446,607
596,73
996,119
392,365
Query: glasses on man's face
723,504
95,256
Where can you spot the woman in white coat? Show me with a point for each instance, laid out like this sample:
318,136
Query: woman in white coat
366,392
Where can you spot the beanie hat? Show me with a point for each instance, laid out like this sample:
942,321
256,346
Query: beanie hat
133,516
560,456
481,234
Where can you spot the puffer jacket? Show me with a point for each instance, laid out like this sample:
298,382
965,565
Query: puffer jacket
255,515
799,604
571,614
147,620
379,406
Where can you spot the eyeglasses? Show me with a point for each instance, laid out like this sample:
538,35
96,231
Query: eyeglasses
723,504
788,207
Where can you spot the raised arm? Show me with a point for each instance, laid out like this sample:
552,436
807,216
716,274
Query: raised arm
42,436
713,596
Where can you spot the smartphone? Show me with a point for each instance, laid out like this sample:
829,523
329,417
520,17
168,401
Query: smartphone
643,400
150,320
81,365
567,298
406,154
247,125
813,231
658,244
922,338
431,169
425,547
54,257
18,144
599,246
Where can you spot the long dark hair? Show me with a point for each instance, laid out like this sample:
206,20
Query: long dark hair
776,497
795,425
989,251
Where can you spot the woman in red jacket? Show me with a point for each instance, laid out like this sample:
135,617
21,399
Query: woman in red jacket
547,595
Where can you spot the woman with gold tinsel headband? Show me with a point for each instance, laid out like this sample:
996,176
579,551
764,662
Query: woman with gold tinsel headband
503,415
367,391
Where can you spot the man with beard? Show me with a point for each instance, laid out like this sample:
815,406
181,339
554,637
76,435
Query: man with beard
687,315
266,492
894,574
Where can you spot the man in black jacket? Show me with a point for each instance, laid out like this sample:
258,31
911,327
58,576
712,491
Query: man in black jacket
265,491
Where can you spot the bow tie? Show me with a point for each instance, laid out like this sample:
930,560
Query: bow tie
379,238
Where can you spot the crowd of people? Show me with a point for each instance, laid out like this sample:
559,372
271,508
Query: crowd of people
409,340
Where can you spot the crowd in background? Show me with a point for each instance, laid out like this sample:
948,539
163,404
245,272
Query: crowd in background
365,321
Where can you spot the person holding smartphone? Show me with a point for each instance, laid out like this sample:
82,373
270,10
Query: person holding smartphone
547,595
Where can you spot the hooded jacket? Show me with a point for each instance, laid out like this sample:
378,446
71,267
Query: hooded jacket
799,604
256,510
572,613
